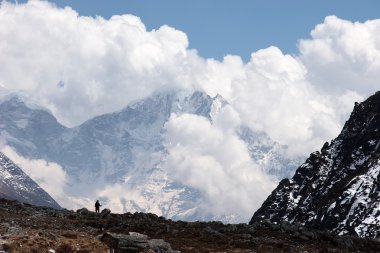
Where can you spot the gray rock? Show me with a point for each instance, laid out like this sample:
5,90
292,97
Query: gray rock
344,242
309,234
245,236
105,212
83,211
251,229
211,231
285,224
124,242
276,227
160,246
138,237
129,249
134,242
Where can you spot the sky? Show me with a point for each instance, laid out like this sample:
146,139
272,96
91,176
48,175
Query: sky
291,70
218,27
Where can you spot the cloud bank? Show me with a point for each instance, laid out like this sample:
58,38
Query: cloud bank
214,160
80,67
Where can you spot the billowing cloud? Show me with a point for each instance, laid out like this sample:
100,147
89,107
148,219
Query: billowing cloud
275,96
116,196
79,66
212,159
342,55
121,198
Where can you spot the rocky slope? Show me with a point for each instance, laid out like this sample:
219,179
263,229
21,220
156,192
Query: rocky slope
27,228
15,184
337,188
126,149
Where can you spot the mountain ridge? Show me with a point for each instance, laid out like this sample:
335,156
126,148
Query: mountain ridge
337,188
16,185
111,150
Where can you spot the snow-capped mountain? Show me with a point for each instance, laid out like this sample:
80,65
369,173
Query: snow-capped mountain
337,188
124,151
16,185
268,154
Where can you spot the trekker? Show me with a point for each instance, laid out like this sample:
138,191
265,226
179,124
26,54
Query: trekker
97,205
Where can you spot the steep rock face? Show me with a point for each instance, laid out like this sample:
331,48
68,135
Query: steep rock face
16,185
337,188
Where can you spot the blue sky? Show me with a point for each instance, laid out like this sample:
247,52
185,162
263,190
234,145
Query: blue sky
218,27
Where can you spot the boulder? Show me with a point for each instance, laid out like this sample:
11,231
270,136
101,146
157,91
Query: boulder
83,211
134,242
159,245
124,243
105,212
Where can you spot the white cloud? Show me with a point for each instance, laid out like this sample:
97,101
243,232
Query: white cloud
50,176
80,67
271,93
342,55
120,199
212,159
116,196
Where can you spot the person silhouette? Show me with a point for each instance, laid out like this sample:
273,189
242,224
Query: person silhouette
97,205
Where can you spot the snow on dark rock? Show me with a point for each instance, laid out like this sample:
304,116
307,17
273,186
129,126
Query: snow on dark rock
337,188
16,185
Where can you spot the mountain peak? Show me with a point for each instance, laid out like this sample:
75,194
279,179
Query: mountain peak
20,99
127,149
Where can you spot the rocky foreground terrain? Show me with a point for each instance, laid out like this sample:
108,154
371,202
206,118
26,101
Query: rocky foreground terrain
29,229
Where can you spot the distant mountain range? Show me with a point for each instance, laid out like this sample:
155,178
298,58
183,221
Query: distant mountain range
127,148
337,188
16,185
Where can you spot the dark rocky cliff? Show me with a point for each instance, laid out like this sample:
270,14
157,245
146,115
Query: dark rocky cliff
16,185
337,188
